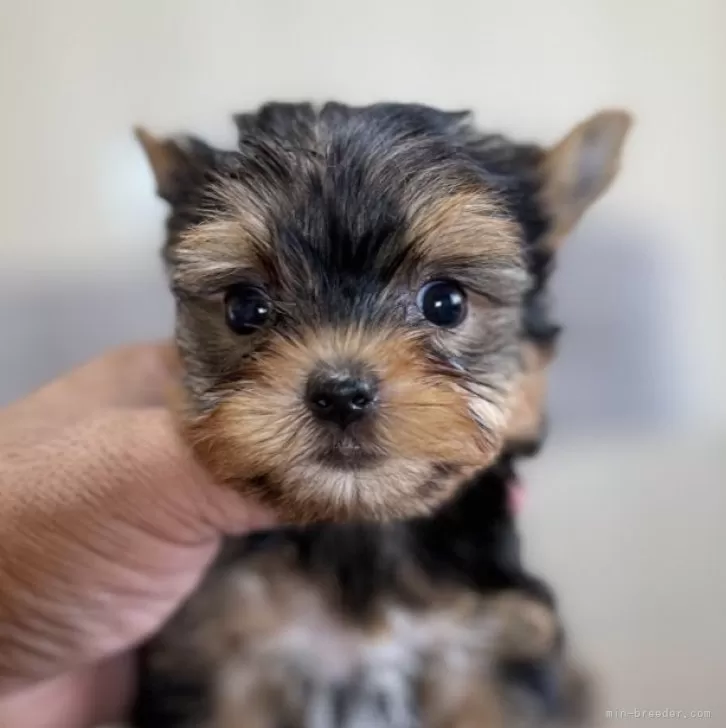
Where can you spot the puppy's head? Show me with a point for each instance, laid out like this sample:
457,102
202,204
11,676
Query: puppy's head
349,287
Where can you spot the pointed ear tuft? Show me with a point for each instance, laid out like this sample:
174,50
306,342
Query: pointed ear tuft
579,169
174,162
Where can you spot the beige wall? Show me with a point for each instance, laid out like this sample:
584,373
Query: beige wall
75,195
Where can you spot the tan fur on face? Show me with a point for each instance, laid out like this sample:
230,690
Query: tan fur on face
529,394
465,225
262,429
235,239
211,255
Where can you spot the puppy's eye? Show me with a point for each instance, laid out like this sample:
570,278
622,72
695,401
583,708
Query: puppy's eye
247,309
443,303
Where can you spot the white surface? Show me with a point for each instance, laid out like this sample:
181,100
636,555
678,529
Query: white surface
632,535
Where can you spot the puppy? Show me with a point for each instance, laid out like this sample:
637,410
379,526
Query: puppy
350,285
429,622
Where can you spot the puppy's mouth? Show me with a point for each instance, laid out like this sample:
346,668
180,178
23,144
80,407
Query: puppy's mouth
349,454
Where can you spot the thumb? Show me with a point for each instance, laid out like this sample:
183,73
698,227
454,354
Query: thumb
104,530
155,482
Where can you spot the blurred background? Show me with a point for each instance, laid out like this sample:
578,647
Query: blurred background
626,504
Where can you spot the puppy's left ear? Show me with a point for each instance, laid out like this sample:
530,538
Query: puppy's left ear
579,169
176,163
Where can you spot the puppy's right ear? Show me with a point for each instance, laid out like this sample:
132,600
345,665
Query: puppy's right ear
176,163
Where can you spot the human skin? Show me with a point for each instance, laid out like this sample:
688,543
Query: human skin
106,524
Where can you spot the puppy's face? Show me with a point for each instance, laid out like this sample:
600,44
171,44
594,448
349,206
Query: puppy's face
349,287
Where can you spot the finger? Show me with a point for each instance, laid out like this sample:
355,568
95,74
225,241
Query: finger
86,698
133,376
136,375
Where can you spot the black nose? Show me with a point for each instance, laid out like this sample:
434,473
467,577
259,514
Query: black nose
341,397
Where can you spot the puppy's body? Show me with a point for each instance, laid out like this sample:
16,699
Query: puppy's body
430,622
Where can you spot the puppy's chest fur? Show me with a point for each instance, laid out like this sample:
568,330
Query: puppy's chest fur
265,647
302,664
349,627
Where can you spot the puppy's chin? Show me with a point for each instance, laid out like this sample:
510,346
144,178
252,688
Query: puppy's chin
349,456
380,489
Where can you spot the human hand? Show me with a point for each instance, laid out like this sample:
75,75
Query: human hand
106,524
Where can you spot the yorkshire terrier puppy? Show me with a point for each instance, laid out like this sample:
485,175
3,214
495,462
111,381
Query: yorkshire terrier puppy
349,285
430,622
